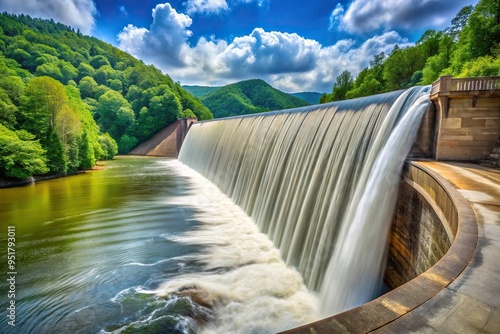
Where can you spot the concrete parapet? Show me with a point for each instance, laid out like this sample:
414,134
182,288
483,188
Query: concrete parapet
467,117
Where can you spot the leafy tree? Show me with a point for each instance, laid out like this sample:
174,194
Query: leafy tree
482,66
187,113
459,22
127,143
85,70
8,111
343,83
50,70
86,154
115,84
401,65
480,37
115,113
87,87
109,146
484,28
56,159
42,100
20,155
98,61
436,64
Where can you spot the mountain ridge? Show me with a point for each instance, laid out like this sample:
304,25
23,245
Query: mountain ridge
245,97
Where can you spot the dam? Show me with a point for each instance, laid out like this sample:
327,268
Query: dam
434,233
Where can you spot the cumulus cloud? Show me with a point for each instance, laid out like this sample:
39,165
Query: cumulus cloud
215,6
206,6
273,52
336,15
333,60
164,42
366,16
75,13
286,60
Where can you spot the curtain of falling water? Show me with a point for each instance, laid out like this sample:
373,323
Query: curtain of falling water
300,173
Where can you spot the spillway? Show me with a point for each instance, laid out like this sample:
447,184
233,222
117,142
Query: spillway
320,181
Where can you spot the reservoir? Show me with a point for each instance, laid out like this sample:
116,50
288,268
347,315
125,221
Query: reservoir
144,245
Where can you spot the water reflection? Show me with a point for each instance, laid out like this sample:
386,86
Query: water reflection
77,236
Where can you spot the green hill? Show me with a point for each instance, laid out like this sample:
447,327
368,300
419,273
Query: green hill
199,91
248,97
67,100
310,97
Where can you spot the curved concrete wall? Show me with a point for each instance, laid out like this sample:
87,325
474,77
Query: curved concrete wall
424,226
432,240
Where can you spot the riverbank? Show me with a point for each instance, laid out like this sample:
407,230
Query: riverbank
12,182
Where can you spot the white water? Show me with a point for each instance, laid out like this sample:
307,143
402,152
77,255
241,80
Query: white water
243,278
320,181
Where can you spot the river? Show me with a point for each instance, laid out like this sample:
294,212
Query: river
144,245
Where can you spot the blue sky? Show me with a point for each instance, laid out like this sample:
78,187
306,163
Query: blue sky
295,45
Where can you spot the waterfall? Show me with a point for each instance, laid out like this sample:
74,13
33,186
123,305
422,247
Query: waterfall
320,181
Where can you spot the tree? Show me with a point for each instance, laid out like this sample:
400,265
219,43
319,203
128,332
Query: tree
400,67
42,100
436,64
98,61
459,22
115,113
343,83
108,145
127,143
20,155
8,110
56,158
484,28
85,70
87,87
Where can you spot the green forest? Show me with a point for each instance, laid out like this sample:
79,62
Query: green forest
469,47
248,97
68,100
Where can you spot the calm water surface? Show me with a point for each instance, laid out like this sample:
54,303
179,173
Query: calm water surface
121,250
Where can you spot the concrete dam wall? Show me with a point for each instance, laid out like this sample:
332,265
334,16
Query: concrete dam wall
432,239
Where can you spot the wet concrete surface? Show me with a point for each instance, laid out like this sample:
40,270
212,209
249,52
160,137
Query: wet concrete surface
471,303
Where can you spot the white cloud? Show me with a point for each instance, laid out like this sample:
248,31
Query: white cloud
286,60
215,6
123,10
333,60
273,52
75,13
164,42
366,16
336,15
206,6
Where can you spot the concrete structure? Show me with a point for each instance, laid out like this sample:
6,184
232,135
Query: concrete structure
442,262
467,118
166,142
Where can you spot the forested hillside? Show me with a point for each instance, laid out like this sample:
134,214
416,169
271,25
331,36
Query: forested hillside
67,100
199,91
248,97
469,47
